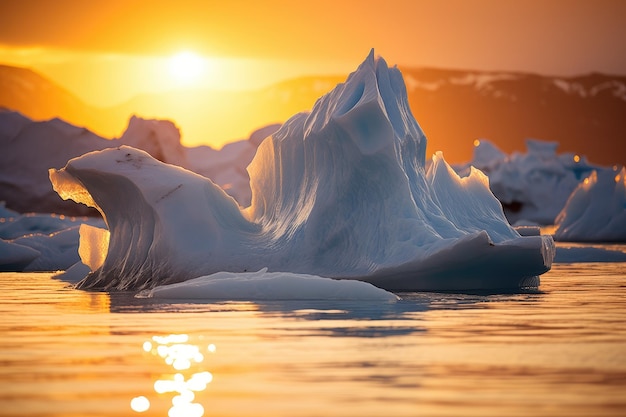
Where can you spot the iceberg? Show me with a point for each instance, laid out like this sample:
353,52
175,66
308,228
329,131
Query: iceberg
532,186
341,192
584,254
596,210
15,257
30,148
227,167
40,242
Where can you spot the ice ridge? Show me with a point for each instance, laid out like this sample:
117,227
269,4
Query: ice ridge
340,192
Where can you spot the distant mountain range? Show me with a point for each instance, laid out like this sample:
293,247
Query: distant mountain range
586,114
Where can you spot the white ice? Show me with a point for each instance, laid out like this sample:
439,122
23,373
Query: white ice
227,167
339,192
567,253
39,242
16,257
596,210
533,186
264,285
30,148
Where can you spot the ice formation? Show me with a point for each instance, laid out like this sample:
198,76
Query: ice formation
227,167
39,242
30,148
589,253
264,285
596,210
532,186
16,257
339,192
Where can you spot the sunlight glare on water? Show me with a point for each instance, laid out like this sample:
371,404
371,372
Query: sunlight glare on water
176,352
557,351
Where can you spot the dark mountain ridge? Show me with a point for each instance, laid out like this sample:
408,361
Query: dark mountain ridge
586,114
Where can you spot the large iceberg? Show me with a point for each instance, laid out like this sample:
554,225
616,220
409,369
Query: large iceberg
340,192
227,167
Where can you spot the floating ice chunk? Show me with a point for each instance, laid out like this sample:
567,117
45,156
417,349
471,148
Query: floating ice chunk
576,254
541,148
30,148
93,245
528,230
263,285
25,224
487,155
15,257
6,212
57,251
596,210
54,238
227,167
532,186
74,273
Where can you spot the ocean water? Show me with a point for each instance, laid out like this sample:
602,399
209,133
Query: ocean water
558,351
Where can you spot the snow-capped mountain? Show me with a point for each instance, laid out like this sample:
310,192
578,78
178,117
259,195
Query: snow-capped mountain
585,114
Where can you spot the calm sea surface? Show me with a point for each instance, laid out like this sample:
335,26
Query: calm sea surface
558,351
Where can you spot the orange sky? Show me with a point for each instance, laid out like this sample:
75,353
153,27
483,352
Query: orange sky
107,51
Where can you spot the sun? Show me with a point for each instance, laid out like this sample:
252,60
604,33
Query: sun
187,67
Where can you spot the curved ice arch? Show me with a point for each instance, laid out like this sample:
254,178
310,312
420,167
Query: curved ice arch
339,192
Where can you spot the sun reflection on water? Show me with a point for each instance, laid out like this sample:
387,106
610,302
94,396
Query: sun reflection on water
177,352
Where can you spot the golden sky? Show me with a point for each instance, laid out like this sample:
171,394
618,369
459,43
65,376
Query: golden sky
108,51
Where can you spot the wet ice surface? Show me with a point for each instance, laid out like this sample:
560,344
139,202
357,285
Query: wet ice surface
341,192
556,351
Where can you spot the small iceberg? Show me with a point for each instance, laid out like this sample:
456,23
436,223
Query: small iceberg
596,210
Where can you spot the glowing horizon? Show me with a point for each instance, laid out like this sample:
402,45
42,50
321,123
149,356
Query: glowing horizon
105,54
117,56
106,79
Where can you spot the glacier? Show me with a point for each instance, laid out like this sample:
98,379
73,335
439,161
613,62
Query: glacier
343,191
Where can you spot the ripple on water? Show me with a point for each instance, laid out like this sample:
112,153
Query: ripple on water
556,351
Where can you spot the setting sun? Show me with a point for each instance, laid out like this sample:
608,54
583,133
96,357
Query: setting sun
187,67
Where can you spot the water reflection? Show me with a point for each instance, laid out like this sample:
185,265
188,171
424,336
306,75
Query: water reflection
68,352
140,404
178,353
328,317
